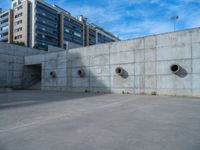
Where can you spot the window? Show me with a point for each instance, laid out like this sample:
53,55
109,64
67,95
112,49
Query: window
4,21
18,15
18,29
4,15
4,28
20,7
77,34
67,30
18,22
18,37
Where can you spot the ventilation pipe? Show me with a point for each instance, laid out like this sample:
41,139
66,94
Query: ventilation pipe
175,68
53,74
81,73
119,71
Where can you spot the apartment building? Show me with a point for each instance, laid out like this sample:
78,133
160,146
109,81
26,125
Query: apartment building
6,26
71,29
21,22
39,24
44,25
97,35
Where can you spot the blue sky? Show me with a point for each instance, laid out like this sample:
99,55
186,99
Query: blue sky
133,18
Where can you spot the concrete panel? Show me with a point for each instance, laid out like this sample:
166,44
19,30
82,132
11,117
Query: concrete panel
4,58
50,56
195,92
122,90
196,50
103,81
61,73
138,44
179,38
150,42
196,81
150,68
103,49
139,68
3,74
18,67
50,64
139,55
196,66
61,64
62,55
17,59
150,82
3,51
174,92
139,91
99,90
32,60
99,71
120,82
174,52
150,55
61,81
5,66
123,46
80,82
195,35
80,62
99,60
122,57
91,50
174,82
139,82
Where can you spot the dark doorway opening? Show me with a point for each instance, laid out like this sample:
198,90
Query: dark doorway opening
32,77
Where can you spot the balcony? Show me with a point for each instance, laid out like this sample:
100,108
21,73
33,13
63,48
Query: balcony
3,31
4,24
6,17
4,38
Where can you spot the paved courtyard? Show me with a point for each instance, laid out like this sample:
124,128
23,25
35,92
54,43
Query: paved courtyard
35,120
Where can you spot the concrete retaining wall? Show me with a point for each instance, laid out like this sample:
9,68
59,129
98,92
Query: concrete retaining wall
146,62
12,64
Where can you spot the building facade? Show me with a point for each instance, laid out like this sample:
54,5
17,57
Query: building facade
6,26
21,22
45,29
97,35
38,24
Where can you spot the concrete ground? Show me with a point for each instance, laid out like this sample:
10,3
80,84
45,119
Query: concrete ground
34,120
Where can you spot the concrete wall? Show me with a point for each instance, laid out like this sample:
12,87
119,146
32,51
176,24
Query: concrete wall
12,64
146,62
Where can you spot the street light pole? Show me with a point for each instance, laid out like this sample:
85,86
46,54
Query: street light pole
174,19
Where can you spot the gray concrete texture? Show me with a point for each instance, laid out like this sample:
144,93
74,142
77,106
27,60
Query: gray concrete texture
146,62
42,120
12,64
